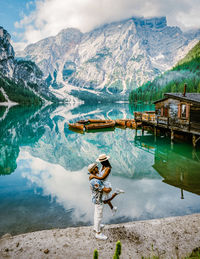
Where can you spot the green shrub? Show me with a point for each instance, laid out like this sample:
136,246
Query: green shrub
117,250
95,255
195,254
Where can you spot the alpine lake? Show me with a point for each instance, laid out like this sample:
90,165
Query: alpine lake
43,169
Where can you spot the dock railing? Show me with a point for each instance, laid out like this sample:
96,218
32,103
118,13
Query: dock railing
145,116
184,125
162,120
151,118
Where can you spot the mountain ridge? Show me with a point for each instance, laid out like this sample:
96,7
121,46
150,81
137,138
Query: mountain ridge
111,60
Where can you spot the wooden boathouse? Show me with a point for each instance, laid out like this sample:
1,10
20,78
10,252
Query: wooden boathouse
177,112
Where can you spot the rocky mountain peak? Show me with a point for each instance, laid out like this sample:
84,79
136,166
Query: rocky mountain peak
69,34
156,22
6,49
6,53
110,60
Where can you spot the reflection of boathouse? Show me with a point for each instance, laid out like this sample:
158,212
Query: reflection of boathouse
178,170
179,166
176,112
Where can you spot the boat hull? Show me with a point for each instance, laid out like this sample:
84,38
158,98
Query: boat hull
99,121
125,122
100,125
76,126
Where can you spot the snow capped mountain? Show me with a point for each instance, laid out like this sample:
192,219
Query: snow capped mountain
20,81
110,61
48,52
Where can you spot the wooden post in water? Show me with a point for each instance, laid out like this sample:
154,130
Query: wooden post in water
172,139
172,135
142,130
194,140
155,133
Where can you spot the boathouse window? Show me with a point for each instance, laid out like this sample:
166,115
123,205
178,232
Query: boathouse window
183,111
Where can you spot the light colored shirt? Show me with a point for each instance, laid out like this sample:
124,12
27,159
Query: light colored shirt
96,187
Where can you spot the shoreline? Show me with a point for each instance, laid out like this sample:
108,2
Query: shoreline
173,237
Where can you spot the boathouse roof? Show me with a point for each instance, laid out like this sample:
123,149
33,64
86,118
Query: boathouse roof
190,97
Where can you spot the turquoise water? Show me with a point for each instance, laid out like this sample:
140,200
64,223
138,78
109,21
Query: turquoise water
43,169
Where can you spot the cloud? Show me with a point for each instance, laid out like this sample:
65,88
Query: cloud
143,198
51,16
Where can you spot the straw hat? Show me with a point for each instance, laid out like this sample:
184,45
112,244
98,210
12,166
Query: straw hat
102,158
92,166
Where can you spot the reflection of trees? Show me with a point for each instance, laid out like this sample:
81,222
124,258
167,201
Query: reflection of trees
179,166
8,158
21,126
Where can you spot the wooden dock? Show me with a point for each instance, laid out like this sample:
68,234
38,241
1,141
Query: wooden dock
176,113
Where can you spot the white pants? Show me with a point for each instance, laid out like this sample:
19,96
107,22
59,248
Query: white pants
98,215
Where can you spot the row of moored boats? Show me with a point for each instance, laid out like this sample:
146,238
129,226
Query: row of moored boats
91,124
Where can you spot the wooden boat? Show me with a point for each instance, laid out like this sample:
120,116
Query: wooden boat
77,130
82,121
76,126
123,122
130,123
104,130
109,124
98,121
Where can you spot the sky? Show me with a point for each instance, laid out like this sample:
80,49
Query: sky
29,21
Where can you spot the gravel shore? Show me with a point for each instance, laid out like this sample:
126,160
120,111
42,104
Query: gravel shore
173,237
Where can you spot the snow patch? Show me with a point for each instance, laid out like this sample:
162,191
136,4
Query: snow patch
8,102
124,87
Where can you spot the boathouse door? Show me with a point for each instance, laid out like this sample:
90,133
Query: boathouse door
195,118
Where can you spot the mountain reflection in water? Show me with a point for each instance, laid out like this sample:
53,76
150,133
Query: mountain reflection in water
43,169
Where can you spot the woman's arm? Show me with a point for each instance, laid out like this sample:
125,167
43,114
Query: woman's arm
106,173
